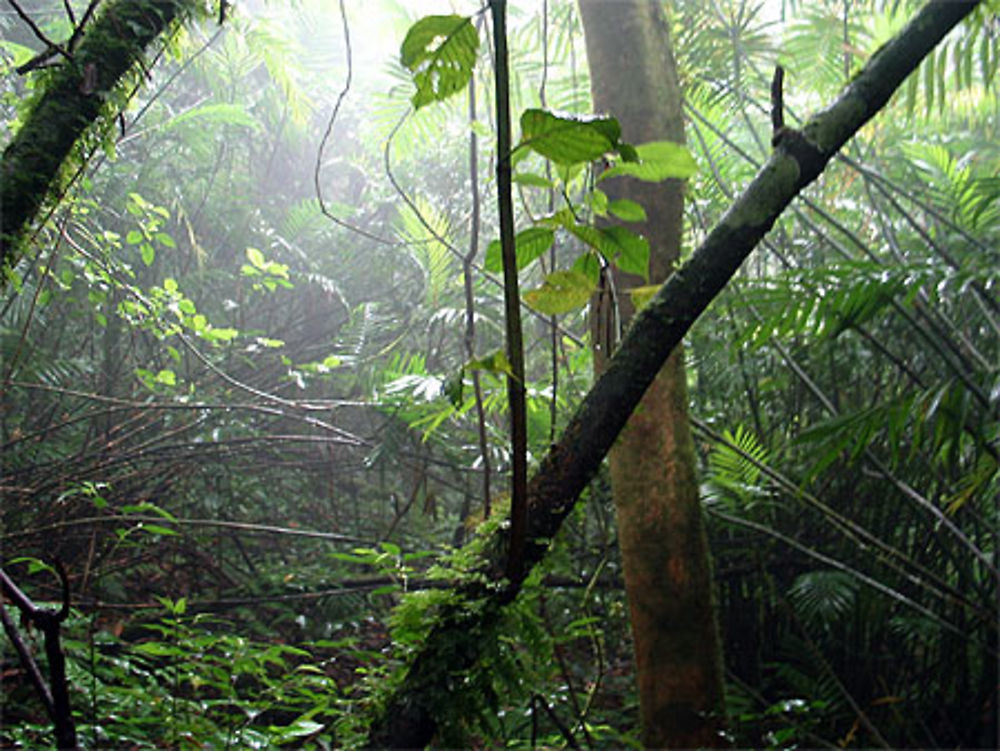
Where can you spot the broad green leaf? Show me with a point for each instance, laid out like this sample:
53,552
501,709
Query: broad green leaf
134,237
532,180
620,246
441,52
569,139
529,244
630,251
562,292
658,160
627,211
148,254
589,264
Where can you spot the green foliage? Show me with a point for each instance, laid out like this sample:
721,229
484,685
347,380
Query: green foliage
188,682
561,292
734,466
440,51
570,139
655,161
529,244
197,342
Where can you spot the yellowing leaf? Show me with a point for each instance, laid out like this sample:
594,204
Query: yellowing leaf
562,292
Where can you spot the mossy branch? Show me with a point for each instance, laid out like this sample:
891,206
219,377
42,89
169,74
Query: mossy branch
70,103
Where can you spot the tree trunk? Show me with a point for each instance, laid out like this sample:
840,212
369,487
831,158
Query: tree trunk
408,716
70,103
653,477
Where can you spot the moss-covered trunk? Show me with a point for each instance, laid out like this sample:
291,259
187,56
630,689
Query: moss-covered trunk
69,104
660,531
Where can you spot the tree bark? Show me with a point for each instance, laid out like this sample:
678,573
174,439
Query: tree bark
661,535
409,716
70,103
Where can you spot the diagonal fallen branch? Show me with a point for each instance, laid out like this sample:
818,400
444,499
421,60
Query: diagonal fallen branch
410,716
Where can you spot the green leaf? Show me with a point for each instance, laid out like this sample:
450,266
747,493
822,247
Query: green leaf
562,292
391,548
589,264
627,211
148,253
156,529
532,180
598,201
166,377
620,246
658,160
157,649
627,250
529,244
300,728
569,139
256,258
147,507
134,237
441,52
495,362
220,335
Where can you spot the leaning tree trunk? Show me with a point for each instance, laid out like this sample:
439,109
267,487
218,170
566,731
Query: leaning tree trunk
408,717
70,103
661,535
